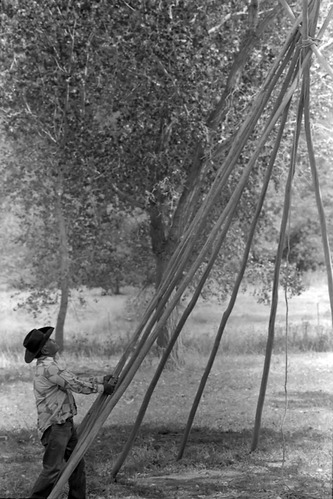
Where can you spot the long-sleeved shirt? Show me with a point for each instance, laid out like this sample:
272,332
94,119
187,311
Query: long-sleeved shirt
53,389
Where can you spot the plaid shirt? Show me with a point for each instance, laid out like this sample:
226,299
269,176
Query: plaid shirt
53,389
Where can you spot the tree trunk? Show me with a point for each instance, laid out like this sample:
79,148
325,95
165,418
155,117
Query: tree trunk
64,274
63,240
116,286
160,249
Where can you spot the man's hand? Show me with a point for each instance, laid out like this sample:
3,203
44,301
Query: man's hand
108,388
110,382
111,379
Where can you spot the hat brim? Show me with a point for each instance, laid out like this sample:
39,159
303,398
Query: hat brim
30,356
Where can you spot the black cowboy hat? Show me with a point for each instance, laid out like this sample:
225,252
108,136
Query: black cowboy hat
34,342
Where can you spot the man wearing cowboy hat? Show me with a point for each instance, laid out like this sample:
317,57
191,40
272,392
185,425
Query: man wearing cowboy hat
56,408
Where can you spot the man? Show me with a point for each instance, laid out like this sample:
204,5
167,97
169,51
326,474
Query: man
56,408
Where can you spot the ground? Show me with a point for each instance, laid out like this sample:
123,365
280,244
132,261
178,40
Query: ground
293,459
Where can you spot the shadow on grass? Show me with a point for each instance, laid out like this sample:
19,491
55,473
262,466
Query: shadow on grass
214,462
169,437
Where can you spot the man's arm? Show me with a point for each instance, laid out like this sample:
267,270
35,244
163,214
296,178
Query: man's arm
69,381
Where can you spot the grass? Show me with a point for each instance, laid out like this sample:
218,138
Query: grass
294,457
98,325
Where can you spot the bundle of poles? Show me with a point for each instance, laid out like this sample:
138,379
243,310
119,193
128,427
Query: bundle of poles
289,76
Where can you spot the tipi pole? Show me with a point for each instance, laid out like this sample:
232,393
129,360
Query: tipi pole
271,329
99,401
321,59
316,184
166,353
234,294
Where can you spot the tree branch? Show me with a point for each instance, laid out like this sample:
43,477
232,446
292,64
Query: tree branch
124,196
241,58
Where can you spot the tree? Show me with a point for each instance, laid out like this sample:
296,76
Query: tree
89,99
55,55
115,103
38,113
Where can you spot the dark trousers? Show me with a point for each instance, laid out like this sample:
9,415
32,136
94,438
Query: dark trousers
59,441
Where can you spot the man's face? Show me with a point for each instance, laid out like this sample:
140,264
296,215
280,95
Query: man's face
50,348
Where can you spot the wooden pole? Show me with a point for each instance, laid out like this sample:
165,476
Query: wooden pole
167,352
270,339
321,59
316,185
234,294
287,200
275,290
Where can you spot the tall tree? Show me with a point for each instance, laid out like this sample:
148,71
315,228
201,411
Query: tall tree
40,104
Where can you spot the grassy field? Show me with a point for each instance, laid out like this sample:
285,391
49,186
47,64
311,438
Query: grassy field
98,324
294,457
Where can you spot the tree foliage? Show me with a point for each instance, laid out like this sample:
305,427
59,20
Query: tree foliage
115,108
